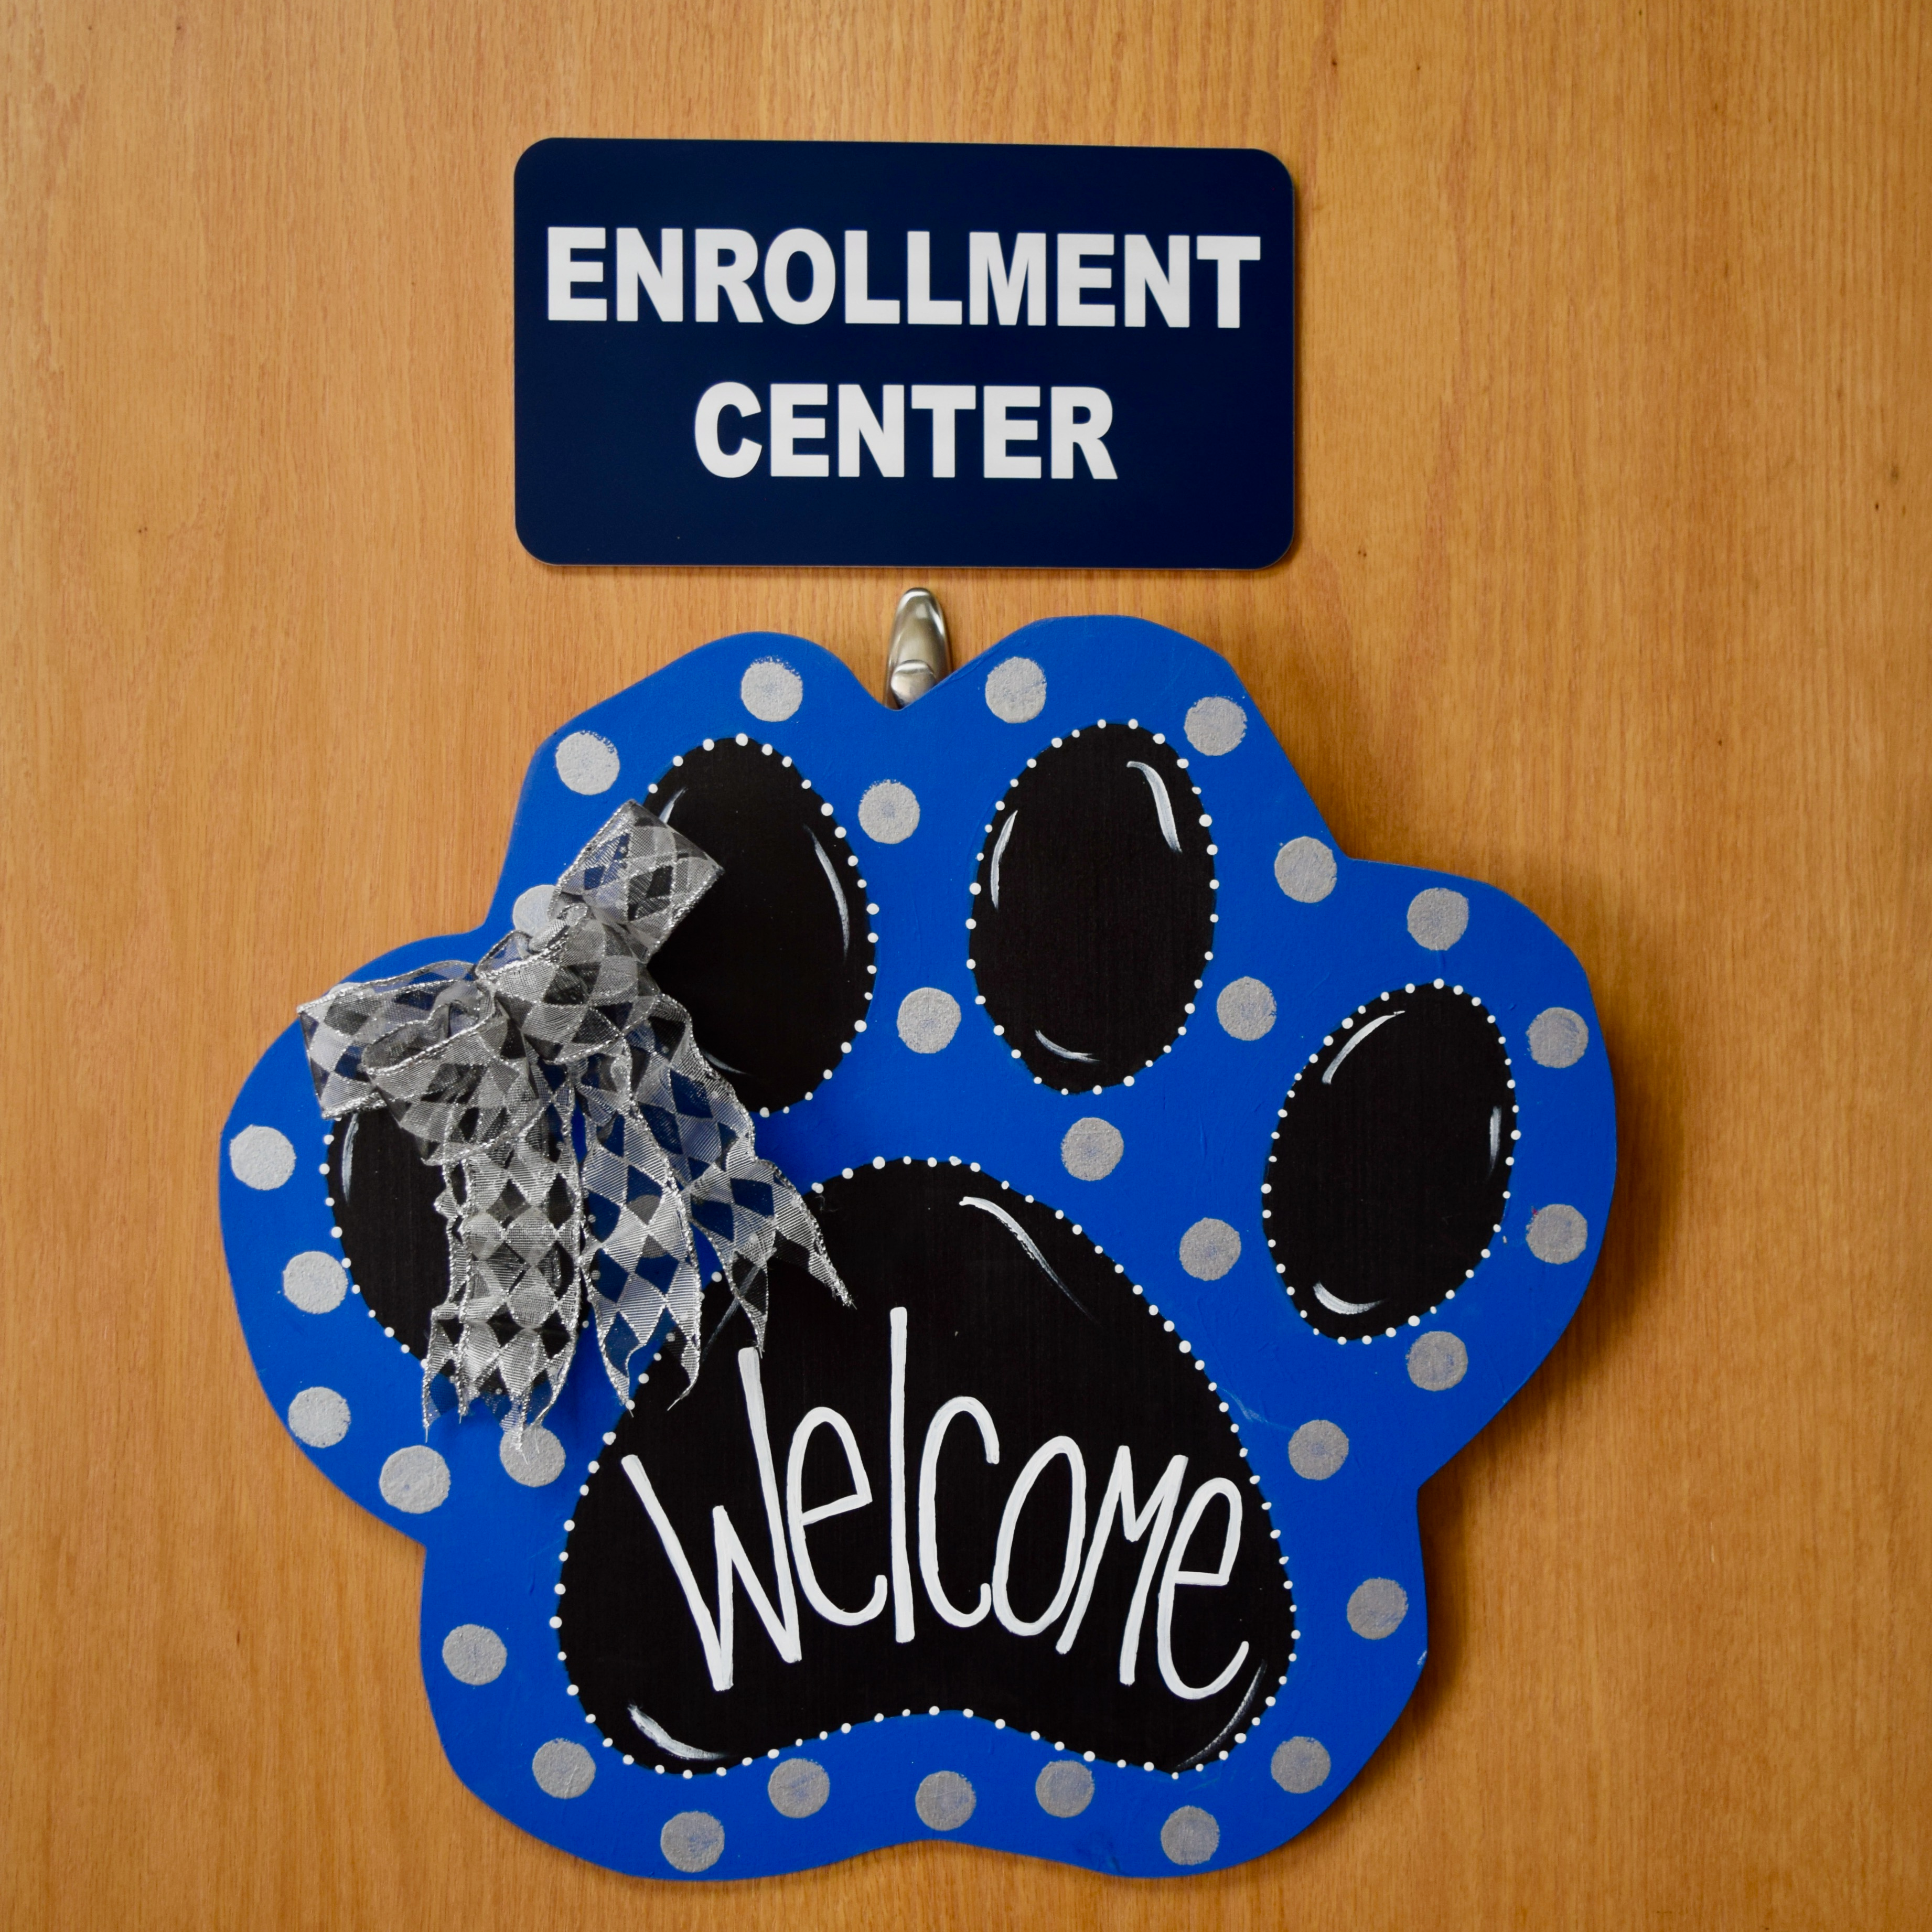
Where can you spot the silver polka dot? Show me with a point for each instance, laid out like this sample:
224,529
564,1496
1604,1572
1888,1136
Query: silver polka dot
1016,690
1558,1037
1209,1249
1438,918
414,1480
1191,1836
1439,1360
1377,1608
1065,1788
945,1801
693,1841
1300,1764
1091,1148
531,912
563,1768
1316,1450
319,1418
1245,1008
771,690
888,812
316,1283
1304,869
798,1787
929,1018
587,763
262,1158
1215,726
474,1654
1557,1233
536,1460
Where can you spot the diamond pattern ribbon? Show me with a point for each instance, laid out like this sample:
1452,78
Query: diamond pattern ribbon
583,1139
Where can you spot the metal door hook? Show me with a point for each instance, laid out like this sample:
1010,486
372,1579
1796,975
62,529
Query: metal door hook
920,653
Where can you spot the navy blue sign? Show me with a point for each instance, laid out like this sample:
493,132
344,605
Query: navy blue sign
851,353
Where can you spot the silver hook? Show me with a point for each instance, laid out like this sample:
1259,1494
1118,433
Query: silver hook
920,652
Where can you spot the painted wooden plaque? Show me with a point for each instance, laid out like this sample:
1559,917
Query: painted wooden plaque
1185,1193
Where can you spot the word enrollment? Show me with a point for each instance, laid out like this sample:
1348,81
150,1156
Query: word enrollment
1003,286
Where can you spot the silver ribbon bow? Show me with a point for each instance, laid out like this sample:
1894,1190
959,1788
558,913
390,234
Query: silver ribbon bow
583,1139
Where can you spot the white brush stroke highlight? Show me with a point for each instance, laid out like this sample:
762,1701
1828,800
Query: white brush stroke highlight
1162,804
1359,1034
999,853
838,893
1065,1052
1025,1241
663,1739
1335,1305
1233,1724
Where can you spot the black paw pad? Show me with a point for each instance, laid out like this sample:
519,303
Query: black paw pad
1093,907
927,1489
384,1194
774,963
1390,1167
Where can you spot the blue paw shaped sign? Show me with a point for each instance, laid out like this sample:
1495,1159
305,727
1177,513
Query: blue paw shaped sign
1190,1192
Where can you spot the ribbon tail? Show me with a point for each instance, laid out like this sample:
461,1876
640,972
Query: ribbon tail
647,1268
439,1350
752,1215
748,1210
510,1324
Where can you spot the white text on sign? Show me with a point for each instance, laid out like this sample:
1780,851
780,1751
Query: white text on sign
1001,287
998,286
1078,419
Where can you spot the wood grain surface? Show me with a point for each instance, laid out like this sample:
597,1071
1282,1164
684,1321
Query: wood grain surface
1613,587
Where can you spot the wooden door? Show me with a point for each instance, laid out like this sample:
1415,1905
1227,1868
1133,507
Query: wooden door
1613,587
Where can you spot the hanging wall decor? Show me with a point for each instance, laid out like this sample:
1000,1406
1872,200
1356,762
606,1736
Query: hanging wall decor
908,1274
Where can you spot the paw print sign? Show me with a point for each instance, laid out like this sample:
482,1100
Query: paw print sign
1190,1192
